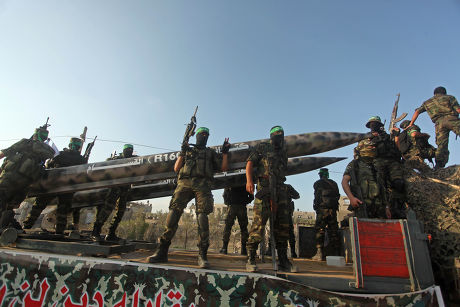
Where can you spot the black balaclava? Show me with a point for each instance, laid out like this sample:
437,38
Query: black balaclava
128,151
201,139
277,140
375,126
202,135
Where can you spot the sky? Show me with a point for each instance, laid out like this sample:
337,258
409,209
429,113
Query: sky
133,71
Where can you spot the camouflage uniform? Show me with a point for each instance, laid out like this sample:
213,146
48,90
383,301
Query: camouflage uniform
389,169
442,111
415,149
264,156
115,200
236,199
326,204
65,158
364,184
22,166
194,181
292,194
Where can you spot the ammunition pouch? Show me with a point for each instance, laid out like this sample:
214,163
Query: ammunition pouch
263,194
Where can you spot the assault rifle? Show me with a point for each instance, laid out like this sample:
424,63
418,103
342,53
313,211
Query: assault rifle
273,209
83,137
46,125
88,149
355,183
190,130
394,115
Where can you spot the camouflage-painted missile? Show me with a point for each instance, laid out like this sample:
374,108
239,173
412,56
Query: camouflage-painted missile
160,166
166,187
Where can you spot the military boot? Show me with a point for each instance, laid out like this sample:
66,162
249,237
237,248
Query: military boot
251,265
161,254
59,230
244,251
203,258
96,234
111,236
284,264
223,250
319,256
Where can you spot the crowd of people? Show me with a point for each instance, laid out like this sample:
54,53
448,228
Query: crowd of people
373,182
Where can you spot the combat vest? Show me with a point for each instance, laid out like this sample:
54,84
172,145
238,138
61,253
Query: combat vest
67,158
237,196
198,163
270,159
26,157
329,192
404,142
366,180
385,147
366,150
439,106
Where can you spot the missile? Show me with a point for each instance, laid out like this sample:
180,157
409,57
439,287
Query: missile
160,166
161,188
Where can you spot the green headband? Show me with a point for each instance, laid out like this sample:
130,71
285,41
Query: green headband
75,141
127,146
202,129
42,134
323,171
276,129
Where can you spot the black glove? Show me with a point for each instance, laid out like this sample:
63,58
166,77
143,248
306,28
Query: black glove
183,149
225,146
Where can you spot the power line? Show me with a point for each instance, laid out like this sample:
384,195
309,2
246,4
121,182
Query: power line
102,140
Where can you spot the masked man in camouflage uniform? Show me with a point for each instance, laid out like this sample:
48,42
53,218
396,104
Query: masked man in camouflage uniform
270,161
195,167
292,194
414,146
22,166
326,204
68,157
359,182
236,199
443,110
389,169
115,200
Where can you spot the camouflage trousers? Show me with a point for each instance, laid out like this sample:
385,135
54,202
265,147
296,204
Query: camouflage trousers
443,127
240,212
186,190
327,218
115,200
390,176
373,208
64,205
261,215
291,230
13,189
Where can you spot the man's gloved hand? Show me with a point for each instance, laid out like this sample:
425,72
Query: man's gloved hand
395,131
183,149
225,146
